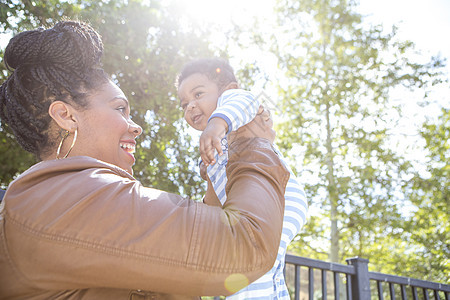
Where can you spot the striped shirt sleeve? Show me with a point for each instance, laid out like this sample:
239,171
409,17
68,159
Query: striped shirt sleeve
237,107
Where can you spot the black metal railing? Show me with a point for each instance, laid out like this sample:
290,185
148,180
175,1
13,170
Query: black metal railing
354,282
312,279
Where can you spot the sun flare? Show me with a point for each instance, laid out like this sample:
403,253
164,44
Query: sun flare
224,13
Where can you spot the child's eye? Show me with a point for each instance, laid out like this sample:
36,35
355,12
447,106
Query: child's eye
122,109
198,94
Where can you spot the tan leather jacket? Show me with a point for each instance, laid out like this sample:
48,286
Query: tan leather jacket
79,228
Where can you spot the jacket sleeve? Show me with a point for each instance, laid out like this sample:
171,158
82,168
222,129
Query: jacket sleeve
99,229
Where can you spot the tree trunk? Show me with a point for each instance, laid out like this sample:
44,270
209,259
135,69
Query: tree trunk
332,195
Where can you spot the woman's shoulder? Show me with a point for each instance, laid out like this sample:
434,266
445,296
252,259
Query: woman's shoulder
72,165
60,185
67,176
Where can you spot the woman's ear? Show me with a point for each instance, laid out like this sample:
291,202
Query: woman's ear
62,114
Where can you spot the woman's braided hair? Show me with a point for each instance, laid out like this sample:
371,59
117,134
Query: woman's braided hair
60,63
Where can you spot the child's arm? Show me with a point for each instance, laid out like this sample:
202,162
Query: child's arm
235,108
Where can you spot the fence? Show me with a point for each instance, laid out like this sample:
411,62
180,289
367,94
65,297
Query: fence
354,282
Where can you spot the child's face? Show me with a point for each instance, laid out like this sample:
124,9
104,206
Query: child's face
198,99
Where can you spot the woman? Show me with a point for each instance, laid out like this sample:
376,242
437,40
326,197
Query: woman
77,225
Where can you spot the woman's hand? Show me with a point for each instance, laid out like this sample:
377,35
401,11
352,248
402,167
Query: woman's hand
260,127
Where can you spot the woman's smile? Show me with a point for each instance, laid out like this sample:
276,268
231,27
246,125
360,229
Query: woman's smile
129,146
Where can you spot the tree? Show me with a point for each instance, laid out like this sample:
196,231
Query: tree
336,109
429,191
145,45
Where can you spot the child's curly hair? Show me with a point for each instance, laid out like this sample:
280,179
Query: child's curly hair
216,69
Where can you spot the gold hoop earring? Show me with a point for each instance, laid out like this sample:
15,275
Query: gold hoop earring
64,135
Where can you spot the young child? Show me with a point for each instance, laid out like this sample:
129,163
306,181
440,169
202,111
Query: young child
212,103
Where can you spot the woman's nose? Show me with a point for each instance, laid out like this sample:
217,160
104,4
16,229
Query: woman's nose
135,128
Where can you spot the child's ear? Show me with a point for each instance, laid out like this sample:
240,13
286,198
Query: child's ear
62,114
231,85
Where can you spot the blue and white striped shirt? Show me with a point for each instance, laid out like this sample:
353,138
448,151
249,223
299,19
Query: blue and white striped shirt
237,108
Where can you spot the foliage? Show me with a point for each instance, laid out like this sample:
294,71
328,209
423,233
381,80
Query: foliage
336,111
145,45
13,160
428,228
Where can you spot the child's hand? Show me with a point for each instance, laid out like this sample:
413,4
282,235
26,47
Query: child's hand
211,138
203,171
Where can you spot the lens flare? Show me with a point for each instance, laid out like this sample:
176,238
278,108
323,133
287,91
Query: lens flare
231,217
236,282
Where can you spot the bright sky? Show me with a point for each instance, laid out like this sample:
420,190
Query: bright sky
426,23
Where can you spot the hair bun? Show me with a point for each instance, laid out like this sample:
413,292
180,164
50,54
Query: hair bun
69,44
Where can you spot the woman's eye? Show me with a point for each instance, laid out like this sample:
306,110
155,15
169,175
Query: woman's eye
197,95
122,109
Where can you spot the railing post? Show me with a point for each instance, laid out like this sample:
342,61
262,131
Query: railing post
360,281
